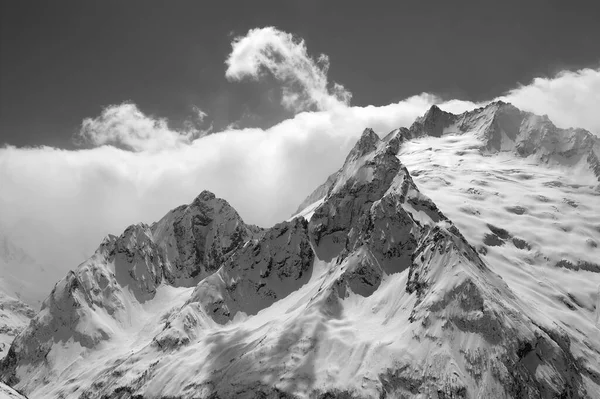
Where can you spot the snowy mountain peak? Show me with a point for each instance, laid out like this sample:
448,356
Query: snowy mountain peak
101,297
432,123
500,126
197,238
374,292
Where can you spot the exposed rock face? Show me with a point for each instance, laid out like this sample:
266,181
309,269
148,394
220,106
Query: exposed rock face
259,274
365,207
138,264
362,275
341,221
264,271
432,123
198,238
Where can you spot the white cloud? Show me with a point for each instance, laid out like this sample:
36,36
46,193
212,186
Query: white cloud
304,80
125,125
64,202
199,114
570,99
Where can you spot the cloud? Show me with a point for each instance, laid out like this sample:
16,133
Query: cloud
125,125
305,84
199,114
570,99
61,203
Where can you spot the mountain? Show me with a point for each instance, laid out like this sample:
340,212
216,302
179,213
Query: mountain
372,290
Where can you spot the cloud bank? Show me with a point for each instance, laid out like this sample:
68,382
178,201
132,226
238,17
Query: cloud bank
58,204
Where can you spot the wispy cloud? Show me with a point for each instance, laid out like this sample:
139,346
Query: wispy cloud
304,79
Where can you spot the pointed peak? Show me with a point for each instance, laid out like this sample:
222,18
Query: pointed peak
205,196
435,113
432,123
368,139
434,109
501,105
108,240
370,135
366,143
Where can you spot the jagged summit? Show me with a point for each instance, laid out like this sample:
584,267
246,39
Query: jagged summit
204,196
432,123
500,126
96,300
366,143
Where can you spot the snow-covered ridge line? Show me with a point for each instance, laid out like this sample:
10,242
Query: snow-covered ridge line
500,127
503,127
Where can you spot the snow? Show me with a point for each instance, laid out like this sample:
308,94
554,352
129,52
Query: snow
7,392
307,212
555,210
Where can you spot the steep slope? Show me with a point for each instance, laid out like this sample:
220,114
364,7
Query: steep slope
377,295
197,238
7,392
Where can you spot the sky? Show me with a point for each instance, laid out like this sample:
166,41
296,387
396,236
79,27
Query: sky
112,113
64,61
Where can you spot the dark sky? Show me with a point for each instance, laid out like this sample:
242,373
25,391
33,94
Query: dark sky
63,61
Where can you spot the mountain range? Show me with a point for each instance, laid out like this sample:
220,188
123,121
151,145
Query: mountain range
456,258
